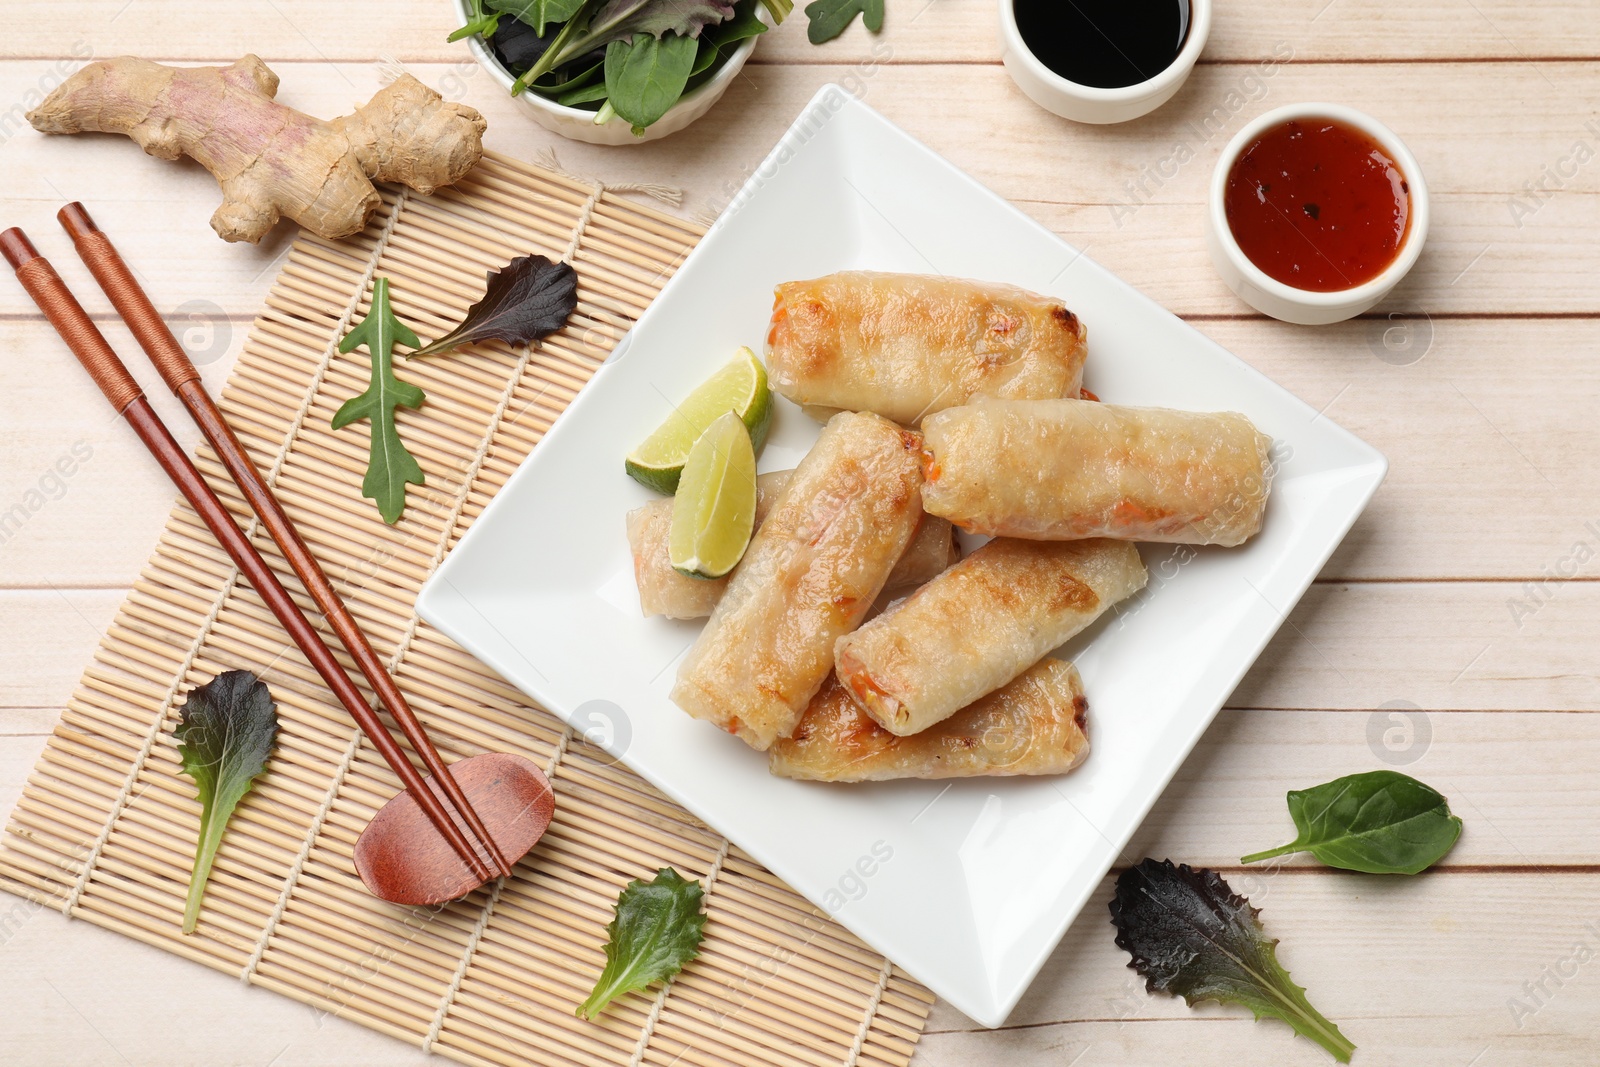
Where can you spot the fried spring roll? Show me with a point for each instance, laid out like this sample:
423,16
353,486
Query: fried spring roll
907,345
808,577
1059,470
663,591
932,549
979,625
1035,725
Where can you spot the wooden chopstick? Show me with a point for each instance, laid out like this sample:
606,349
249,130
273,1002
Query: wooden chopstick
107,369
178,371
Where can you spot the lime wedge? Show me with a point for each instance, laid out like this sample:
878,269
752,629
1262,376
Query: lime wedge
715,509
740,387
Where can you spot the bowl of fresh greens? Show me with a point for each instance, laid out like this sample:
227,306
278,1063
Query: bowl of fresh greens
615,71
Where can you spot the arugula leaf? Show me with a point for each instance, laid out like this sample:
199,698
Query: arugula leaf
536,13
390,467
1190,935
226,734
657,930
778,9
529,298
1381,822
830,17
646,76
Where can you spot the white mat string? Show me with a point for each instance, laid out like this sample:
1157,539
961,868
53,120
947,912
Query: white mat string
854,1055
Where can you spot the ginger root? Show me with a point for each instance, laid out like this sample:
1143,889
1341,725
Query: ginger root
270,159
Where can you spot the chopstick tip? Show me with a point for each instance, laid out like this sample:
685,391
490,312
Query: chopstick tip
16,247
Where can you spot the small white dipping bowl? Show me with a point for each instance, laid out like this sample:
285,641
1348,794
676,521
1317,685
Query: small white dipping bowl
577,124
1086,103
1272,297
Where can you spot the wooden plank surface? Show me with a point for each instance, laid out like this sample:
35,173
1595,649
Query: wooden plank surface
1084,182
1457,624
916,31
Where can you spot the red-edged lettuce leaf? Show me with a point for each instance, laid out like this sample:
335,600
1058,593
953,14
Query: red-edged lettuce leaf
527,299
1192,936
225,738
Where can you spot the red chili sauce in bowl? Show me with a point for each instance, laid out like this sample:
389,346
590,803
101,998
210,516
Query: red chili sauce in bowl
1318,205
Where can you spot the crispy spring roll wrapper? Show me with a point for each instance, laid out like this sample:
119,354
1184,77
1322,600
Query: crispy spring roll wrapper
979,625
932,549
907,345
1035,725
663,591
809,576
1058,470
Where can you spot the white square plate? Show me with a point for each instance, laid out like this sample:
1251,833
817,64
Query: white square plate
968,886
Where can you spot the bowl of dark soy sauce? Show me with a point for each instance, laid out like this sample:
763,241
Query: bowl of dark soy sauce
1102,60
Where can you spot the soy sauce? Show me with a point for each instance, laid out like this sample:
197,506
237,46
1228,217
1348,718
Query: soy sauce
1318,205
1106,44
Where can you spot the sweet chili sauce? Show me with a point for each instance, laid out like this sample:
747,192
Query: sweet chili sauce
1318,205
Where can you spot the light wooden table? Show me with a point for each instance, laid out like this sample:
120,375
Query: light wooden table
1458,628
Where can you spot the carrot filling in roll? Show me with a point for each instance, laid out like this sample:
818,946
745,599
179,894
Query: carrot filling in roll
812,571
907,345
980,624
1037,724
1060,470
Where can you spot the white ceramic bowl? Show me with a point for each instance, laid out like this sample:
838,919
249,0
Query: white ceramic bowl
578,125
1087,103
1272,297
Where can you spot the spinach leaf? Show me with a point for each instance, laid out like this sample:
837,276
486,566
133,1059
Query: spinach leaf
745,23
621,20
536,13
529,298
593,75
1381,822
646,76
479,21
704,56
830,17
584,94
720,42
1190,935
390,467
657,929
224,738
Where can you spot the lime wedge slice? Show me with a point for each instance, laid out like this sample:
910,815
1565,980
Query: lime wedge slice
715,509
740,387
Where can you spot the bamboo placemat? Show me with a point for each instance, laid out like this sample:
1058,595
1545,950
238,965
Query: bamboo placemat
106,827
